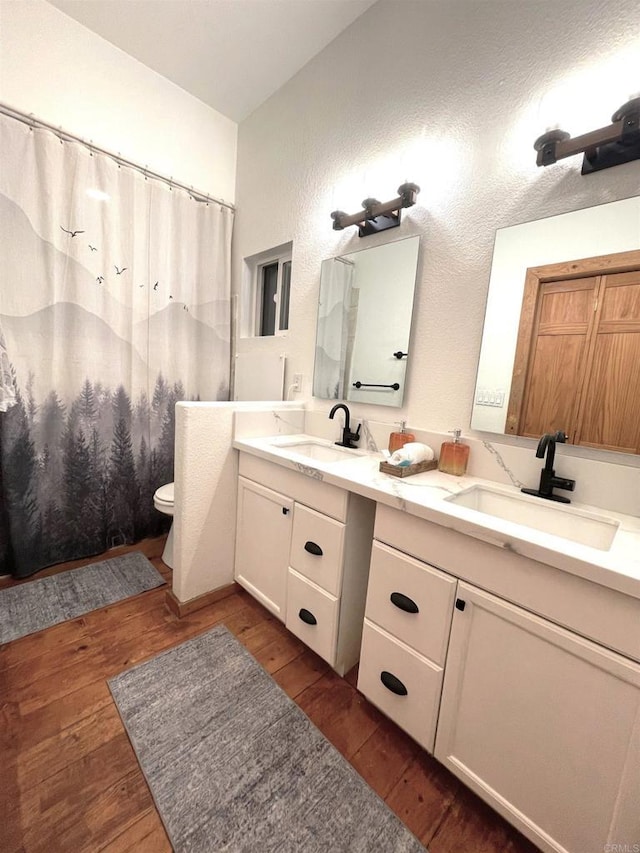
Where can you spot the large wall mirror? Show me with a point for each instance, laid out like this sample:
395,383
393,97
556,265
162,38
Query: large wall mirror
561,341
364,321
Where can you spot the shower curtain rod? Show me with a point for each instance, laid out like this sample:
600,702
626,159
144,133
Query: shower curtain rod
65,136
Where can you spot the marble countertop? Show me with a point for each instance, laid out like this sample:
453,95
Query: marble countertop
423,495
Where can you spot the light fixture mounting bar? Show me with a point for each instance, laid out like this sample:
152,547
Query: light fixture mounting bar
608,146
375,215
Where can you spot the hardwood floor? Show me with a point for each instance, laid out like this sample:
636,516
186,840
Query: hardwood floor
69,779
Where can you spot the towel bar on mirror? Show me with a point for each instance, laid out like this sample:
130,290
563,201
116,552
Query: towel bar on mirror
395,386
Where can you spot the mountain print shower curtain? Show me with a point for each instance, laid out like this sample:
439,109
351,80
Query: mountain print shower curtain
337,315
114,303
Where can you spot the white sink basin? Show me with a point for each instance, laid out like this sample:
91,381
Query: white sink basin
577,525
318,451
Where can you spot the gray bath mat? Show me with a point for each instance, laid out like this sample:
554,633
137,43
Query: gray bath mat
39,604
234,765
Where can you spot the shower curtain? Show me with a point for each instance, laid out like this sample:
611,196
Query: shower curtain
337,313
115,303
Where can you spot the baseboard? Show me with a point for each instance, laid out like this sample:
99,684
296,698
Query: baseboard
183,608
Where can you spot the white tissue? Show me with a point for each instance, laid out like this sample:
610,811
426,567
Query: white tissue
411,453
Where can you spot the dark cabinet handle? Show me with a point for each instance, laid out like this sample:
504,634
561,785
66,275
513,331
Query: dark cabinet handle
460,604
308,617
285,511
404,602
312,548
400,354
393,684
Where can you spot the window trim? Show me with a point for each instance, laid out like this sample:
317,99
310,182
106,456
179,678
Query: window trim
281,258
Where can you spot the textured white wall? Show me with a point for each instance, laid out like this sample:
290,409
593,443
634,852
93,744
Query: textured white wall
206,486
64,74
206,473
450,95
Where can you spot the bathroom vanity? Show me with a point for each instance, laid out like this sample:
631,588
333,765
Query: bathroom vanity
303,549
510,653
541,722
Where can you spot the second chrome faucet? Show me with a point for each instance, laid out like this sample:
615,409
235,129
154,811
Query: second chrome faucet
348,437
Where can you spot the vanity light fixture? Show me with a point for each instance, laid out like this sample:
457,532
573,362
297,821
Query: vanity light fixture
617,143
377,216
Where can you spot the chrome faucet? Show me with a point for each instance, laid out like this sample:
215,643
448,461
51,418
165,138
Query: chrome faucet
548,479
348,437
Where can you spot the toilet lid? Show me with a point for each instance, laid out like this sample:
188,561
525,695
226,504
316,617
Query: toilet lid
165,493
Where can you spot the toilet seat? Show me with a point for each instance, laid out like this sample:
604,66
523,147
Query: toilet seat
163,499
163,502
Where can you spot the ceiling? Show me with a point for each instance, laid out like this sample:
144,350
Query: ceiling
231,54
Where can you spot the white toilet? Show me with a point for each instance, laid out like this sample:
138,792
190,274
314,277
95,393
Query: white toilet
163,502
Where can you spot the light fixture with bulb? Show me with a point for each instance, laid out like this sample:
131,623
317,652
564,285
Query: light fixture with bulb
377,216
617,143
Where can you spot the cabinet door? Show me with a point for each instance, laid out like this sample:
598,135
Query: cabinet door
542,724
263,534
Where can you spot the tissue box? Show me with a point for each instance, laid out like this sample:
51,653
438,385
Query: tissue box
408,470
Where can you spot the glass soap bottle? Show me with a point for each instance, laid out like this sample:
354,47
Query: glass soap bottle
454,455
398,440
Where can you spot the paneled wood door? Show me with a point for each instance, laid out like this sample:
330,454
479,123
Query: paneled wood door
563,324
610,411
577,364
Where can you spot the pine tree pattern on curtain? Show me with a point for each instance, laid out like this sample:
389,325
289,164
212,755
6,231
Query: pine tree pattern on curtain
115,304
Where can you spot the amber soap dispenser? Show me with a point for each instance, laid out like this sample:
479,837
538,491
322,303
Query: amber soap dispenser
454,455
399,439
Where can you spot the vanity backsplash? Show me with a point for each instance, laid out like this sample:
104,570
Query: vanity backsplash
606,485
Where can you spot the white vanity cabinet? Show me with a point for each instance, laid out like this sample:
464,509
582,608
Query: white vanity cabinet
303,550
543,724
539,711
263,531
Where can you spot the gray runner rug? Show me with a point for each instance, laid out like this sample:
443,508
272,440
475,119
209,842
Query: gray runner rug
35,605
234,765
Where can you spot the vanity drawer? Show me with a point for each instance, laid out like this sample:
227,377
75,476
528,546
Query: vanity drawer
304,485
317,548
312,615
384,659
398,585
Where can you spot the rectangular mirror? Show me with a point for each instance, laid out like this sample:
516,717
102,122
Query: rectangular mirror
364,321
561,341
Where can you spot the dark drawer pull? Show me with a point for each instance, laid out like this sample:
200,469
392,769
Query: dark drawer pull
393,684
404,602
312,548
307,616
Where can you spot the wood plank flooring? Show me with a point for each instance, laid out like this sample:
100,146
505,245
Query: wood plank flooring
69,779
